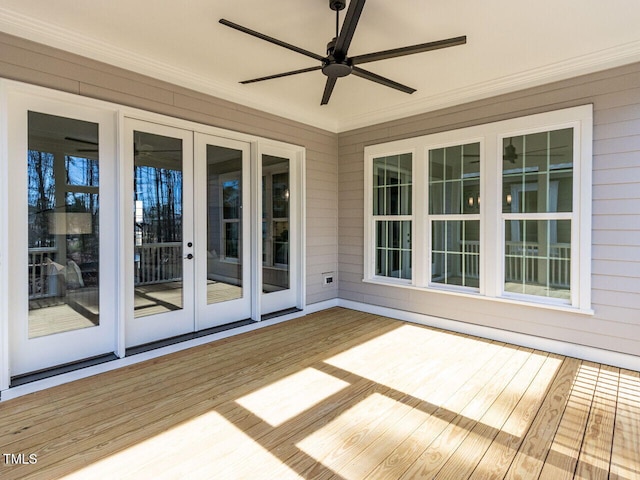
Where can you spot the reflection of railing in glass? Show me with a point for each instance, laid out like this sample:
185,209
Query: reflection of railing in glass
559,259
472,262
41,283
158,263
559,263
522,263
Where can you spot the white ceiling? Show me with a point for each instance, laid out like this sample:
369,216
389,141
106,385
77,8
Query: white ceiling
510,45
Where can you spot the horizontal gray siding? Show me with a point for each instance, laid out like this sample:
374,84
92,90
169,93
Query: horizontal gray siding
37,64
335,194
616,212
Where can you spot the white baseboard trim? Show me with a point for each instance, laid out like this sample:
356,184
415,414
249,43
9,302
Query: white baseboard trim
319,306
582,352
554,346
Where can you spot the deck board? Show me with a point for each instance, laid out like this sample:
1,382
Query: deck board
472,449
625,454
595,454
563,455
335,395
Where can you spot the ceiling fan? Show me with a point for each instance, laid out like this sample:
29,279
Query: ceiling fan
337,63
511,153
143,149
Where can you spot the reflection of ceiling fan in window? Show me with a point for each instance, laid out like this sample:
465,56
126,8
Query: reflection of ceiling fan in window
511,153
142,150
337,63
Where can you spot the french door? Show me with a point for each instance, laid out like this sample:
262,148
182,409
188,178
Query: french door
189,230
160,260
223,248
119,240
61,268
280,228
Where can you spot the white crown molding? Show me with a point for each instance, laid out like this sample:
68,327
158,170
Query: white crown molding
48,34
590,63
41,32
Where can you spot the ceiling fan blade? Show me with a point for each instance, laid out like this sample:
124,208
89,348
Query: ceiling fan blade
328,89
80,140
279,75
275,41
381,80
529,152
399,52
349,26
136,151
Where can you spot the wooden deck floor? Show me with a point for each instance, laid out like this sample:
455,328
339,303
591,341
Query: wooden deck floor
337,394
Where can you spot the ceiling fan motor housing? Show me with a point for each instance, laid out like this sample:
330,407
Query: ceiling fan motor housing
336,65
333,68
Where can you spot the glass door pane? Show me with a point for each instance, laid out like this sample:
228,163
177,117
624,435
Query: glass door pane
160,297
225,230
158,224
62,221
63,261
275,224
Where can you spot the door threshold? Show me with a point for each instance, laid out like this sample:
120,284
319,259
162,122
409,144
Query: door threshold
183,338
280,313
60,369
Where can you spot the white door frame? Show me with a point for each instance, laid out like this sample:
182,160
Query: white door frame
138,331
28,355
215,314
295,295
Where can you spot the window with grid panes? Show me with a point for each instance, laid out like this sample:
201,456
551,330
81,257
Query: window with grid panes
392,210
454,214
500,210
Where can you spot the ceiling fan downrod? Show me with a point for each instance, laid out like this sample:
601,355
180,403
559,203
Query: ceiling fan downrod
336,66
337,5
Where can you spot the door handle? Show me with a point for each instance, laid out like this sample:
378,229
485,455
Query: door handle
189,256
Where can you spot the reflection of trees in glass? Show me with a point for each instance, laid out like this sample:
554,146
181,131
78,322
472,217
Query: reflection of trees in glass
160,191
41,197
63,215
81,171
231,199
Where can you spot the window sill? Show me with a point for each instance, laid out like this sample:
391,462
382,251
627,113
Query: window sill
477,296
229,260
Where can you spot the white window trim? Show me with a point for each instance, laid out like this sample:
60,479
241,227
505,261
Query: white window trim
370,248
429,218
492,248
